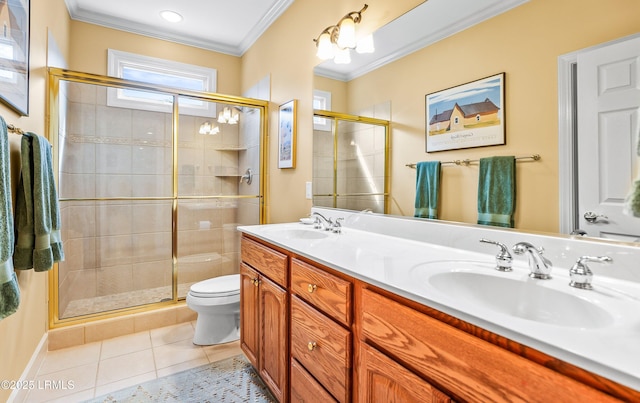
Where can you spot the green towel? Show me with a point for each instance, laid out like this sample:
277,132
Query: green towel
39,244
427,189
497,191
9,289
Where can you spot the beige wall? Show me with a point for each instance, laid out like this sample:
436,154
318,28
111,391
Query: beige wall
21,332
525,44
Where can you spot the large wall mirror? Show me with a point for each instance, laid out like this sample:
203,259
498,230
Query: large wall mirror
435,46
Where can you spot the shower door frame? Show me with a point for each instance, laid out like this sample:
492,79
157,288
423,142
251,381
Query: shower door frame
55,75
336,117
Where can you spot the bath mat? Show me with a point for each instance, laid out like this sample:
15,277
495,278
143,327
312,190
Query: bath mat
229,381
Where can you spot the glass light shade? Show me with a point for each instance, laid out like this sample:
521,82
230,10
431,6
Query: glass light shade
347,34
325,47
205,128
171,16
343,56
365,45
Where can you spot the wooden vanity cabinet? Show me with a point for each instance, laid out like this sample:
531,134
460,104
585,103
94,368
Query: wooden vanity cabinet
316,335
263,314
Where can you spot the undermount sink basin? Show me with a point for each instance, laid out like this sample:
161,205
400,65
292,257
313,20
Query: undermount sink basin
298,233
520,297
477,284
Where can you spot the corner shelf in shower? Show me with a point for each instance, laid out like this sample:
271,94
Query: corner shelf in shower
230,148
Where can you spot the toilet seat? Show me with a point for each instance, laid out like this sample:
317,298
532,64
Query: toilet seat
217,287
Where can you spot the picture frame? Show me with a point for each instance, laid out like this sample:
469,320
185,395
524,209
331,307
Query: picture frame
287,132
14,55
466,116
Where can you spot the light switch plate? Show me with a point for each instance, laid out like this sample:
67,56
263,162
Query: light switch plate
308,191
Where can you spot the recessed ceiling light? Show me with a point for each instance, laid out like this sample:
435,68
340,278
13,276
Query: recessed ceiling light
171,16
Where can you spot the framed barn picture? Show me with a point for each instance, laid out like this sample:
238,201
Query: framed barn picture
466,116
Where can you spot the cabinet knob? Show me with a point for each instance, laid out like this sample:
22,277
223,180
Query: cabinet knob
311,287
311,345
256,281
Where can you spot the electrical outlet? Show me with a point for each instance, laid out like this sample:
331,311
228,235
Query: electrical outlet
308,194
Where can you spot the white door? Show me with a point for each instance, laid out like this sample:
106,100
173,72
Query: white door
608,103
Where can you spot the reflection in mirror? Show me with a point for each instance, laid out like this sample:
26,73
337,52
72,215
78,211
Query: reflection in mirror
537,38
350,162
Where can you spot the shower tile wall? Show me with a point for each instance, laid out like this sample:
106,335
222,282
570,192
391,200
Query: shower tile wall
118,252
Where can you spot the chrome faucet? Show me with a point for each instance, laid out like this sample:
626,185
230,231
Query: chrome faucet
503,258
321,222
539,265
581,275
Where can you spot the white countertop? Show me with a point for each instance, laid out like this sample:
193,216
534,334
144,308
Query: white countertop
402,266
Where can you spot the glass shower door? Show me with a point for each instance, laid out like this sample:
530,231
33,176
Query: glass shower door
114,170
218,168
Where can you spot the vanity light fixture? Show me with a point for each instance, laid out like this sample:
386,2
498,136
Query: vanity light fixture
335,42
207,128
225,116
170,16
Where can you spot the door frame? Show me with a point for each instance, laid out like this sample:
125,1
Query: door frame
567,126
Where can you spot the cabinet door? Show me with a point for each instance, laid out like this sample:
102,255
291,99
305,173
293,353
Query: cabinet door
249,324
273,325
383,380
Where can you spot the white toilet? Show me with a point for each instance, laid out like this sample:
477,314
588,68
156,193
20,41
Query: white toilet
217,302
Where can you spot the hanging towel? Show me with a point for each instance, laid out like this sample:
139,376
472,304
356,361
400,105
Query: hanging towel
427,189
9,289
497,191
632,202
39,244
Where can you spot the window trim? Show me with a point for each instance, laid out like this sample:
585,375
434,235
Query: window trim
119,60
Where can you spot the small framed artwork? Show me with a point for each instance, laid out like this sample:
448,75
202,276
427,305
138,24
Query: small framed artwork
466,116
287,130
14,55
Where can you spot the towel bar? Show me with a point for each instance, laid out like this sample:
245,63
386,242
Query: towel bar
467,162
14,129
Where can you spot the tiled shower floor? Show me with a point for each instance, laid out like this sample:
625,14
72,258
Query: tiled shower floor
87,306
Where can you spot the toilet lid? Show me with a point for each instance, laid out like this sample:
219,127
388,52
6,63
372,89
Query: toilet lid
222,286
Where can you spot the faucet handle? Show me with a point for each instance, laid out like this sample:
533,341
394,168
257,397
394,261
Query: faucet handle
581,275
503,258
336,227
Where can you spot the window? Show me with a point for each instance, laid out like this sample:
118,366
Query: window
456,120
321,101
477,117
166,73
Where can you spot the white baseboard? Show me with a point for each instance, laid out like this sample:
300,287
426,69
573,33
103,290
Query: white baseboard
31,370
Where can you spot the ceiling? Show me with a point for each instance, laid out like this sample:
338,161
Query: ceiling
231,27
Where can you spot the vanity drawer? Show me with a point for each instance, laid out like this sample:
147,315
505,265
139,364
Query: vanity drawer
322,346
328,293
304,388
269,262
463,365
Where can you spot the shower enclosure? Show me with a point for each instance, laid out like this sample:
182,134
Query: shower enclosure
152,183
350,162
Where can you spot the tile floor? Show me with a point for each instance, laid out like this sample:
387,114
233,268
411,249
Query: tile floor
102,367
